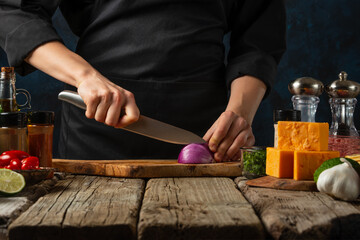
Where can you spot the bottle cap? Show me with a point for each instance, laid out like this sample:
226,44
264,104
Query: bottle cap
41,117
13,119
287,115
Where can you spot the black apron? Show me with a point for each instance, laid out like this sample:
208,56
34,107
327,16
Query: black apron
170,55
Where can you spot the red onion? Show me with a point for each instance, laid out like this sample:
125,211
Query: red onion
196,153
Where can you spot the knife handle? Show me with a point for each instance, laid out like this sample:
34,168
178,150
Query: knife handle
73,98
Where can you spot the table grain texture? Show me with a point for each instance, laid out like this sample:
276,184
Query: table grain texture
96,207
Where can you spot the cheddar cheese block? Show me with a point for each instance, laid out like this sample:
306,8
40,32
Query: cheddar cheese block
306,162
309,136
279,163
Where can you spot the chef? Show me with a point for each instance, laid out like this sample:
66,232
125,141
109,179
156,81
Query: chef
160,58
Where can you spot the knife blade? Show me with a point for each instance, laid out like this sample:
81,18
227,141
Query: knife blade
144,126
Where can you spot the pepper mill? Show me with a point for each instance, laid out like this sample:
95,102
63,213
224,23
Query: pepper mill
306,91
343,136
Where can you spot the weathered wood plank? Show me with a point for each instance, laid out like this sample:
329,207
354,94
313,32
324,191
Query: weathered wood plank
196,208
150,168
303,215
83,207
12,207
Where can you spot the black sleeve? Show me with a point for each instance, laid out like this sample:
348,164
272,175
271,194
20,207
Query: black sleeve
25,24
257,40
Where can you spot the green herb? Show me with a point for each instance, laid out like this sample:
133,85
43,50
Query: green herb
254,161
333,162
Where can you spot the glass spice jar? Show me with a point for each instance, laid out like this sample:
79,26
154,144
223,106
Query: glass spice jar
13,131
40,136
253,161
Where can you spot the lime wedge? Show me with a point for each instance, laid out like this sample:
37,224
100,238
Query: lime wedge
10,182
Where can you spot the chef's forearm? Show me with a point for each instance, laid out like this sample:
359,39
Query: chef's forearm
58,61
246,95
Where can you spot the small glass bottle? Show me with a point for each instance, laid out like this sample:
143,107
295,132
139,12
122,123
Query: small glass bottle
13,131
8,92
40,136
284,115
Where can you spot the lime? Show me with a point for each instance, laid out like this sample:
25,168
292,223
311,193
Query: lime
333,162
10,182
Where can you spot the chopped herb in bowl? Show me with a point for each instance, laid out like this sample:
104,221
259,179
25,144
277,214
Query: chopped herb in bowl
254,162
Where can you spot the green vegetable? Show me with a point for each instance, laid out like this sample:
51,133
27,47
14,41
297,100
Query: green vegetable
333,162
10,182
255,161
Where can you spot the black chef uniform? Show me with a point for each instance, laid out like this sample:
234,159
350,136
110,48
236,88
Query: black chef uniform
169,53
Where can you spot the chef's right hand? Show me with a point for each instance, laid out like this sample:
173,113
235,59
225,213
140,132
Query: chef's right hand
107,102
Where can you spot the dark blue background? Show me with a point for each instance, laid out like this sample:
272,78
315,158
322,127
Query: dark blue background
323,39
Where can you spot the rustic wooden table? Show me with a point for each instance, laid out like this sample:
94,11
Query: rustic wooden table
91,207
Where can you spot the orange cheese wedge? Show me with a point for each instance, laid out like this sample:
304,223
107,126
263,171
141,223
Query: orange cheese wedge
279,163
306,162
309,136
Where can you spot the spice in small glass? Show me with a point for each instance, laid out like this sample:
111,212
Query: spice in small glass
40,136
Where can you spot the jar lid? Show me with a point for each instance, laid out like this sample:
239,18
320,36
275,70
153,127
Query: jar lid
287,115
41,117
13,119
343,88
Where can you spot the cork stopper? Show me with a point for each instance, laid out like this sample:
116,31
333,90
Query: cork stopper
7,69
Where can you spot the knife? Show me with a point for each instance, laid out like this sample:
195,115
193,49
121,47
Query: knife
144,126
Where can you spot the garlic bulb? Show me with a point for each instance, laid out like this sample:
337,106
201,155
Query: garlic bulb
340,181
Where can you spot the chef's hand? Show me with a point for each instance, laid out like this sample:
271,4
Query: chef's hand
106,102
227,135
232,130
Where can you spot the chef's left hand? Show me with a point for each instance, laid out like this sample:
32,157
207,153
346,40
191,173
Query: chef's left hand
225,137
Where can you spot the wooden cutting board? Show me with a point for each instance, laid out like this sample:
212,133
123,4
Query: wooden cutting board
147,168
282,183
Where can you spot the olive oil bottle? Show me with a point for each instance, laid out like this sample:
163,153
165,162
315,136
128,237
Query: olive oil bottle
8,92
8,105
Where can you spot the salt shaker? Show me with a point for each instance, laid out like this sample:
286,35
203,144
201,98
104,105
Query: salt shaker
306,92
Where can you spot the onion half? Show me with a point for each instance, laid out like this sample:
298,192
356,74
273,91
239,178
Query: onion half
195,153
